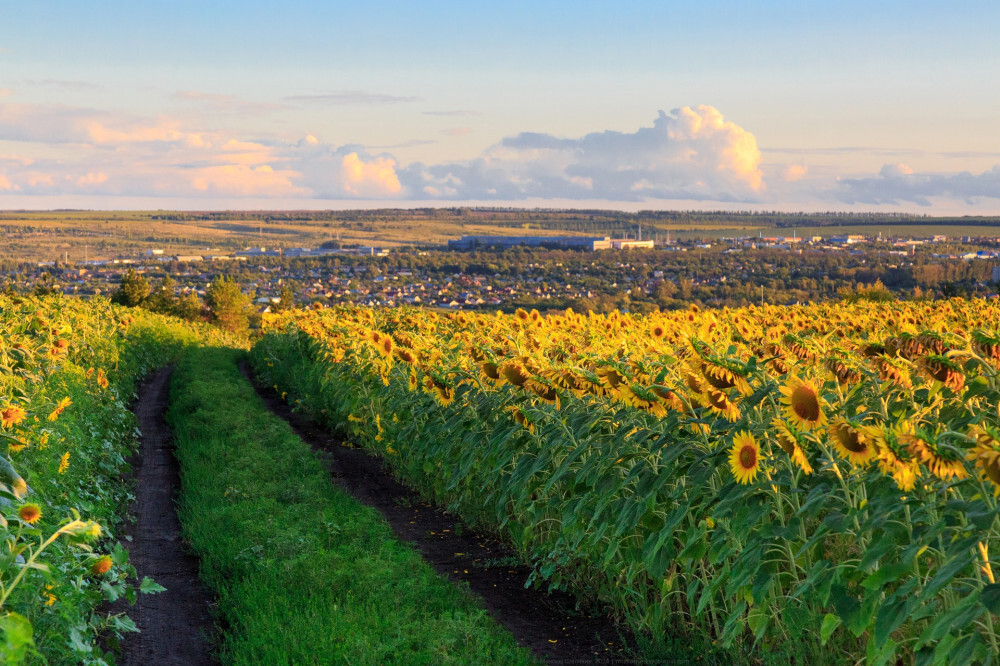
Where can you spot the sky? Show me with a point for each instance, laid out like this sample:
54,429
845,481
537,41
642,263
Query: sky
842,105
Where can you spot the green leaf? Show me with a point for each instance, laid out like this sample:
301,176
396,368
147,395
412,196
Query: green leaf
111,592
990,597
149,586
830,624
880,653
734,625
887,574
963,651
891,615
944,575
17,640
77,642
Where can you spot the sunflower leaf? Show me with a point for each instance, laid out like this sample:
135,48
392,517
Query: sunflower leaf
990,597
830,624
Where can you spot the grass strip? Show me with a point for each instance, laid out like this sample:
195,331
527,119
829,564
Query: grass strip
302,571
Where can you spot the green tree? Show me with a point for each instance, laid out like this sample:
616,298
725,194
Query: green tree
163,298
230,307
132,290
188,307
287,302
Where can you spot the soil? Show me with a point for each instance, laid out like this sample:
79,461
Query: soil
548,624
172,624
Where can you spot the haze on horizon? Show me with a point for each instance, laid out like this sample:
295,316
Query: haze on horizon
888,106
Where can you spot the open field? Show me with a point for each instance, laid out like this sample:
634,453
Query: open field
79,235
801,485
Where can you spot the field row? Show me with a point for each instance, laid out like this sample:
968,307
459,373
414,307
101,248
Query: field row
816,482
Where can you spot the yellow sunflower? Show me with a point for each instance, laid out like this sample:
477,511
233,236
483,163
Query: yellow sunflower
802,403
940,461
720,403
851,442
744,457
986,454
789,443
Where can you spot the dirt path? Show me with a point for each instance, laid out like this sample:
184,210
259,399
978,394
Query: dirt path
547,624
172,624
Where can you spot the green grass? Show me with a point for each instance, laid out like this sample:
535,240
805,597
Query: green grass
303,573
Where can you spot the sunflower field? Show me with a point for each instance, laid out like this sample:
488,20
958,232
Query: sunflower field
814,483
68,370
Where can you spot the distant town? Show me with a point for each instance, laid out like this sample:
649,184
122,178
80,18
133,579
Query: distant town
596,272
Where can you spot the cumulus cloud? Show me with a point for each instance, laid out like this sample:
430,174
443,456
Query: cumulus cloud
690,153
91,179
373,179
898,183
6,185
794,172
245,180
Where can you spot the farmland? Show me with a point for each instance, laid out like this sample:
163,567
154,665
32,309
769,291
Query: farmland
809,484
102,235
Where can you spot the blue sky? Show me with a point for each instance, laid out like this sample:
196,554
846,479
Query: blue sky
852,105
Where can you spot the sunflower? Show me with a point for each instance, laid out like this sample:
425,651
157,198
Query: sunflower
515,373
744,457
11,415
803,404
986,453
657,331
944,370
101,565
29,513
669,398
890,454
543,391
490,373
722,377
720,403
445,395
789,443
893,370
60,407
521,419
851,442
941,462
407,356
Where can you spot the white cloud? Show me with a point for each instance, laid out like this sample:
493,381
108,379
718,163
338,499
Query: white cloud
6,185
794,172
898,183
691,153
373,179
92,179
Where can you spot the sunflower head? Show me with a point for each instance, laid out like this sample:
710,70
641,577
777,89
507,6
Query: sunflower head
852,441
802,403
788,440
29,513
515,373
744,457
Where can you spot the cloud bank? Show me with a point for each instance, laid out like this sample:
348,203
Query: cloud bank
898,183
690,153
